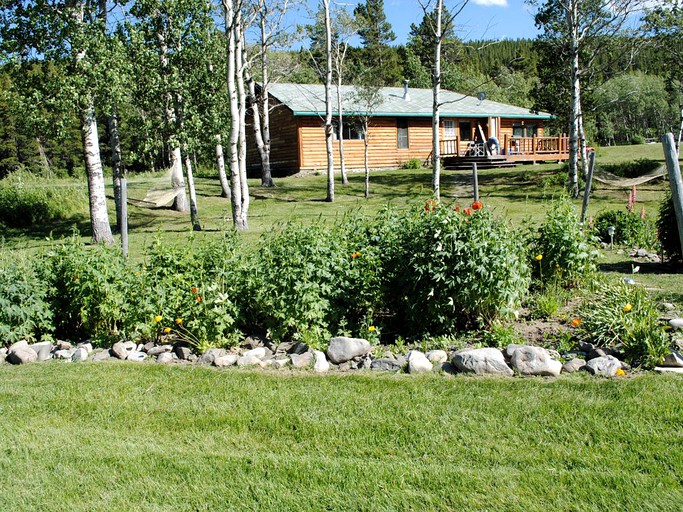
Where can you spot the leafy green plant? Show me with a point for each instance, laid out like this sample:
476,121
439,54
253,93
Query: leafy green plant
624,316
560,249
413,163
629,228
500,335
548,302
446,270
24,311
667,229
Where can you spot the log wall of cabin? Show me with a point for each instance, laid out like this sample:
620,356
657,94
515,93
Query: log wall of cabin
383,151
284,146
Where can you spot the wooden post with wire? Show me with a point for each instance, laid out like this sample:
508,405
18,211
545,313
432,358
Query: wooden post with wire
675,180
589,184
124,216
475,181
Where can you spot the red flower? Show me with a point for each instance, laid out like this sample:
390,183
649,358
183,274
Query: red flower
467,211
456,208
430,205
195,289
477,205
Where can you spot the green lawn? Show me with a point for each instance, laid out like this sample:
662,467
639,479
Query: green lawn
144,437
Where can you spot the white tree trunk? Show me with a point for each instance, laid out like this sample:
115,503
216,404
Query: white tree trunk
328,103
242,105
436,143
178,181
258,134
220,162
194,211
266,175
99,217
575,106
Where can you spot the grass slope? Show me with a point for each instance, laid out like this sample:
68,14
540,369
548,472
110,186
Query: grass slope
146,437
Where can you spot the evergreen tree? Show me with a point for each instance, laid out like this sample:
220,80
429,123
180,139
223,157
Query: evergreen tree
376,35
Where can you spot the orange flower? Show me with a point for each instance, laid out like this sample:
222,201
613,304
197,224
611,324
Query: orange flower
355,255
576,322
199,298
195,289
430,205
477,205
456,208
467,211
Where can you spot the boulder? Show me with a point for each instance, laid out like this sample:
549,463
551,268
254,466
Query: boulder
161,349
386,364
605,366
183,353
676,323
321,365
102,355
437,356
86,345
226,360
418,362
3,355
166,357
62,345
248,361
64,354
668,306
280,363
21,354
574,365
80,355
302,360
211,355
510,349
43,350
481,361
529,360
137,356
673,359
342,349
258,352
119,350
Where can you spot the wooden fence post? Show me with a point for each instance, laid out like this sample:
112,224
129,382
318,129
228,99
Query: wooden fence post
124,217
674,169
589,183
475,181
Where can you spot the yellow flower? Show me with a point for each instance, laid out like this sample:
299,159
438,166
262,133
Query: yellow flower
167,330
620,373
539,257
158,318
179,321
372,328
628,307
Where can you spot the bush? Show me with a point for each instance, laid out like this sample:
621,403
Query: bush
24,312
667,228
560,250
27,201
624,317
413,163
632,169
447,270
629,229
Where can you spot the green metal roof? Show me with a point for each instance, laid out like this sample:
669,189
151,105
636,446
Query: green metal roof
309,100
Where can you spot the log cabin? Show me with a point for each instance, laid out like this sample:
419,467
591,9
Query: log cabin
472,129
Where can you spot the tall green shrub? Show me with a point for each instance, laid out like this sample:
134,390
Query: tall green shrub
629,229
668,230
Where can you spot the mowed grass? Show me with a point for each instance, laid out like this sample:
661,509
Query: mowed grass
145,437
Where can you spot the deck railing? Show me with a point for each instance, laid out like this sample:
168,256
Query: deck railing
510,146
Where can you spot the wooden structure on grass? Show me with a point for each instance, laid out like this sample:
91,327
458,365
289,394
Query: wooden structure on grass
400,130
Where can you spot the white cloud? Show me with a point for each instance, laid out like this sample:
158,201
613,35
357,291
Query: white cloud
492,3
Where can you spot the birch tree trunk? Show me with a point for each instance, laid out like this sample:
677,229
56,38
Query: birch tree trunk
328,103
242,124
194,212
43,158
575,106
436,143
258,135
220,162
116,164
99,217
266,176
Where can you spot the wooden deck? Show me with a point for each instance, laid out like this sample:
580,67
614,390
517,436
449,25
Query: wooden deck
458,154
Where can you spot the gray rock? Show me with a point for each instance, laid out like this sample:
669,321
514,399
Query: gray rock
654,258
161,349
21,354
418,362
63,345
64,354
79,355
248,361
149,346
267,363
86,345
137,356
668,369
226,360
251,342
676,323
510,349
193,358
43,350
321,365
673,359
668,306
606,366
573,365
302,360
3,355
641,253
364,362
437,356
598,352
183,353
481,361
280,363
119,350
140,347
19,344
345,367
211,355
342,349
584,346
385,364
258,352
101,355
166,358
529,360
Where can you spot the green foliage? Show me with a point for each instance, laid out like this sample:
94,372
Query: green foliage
447,270
624,317
413,163
548,302
560,250
667,228
24,311
500,335
629,228
26,200
632,168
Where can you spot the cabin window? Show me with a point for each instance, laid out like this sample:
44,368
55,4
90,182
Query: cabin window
465,130
520,130
351,129
449,129
402,134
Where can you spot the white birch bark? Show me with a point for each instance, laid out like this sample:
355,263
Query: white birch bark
266,174
220,162
574,109
328,102
436,143
194,211
242,105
